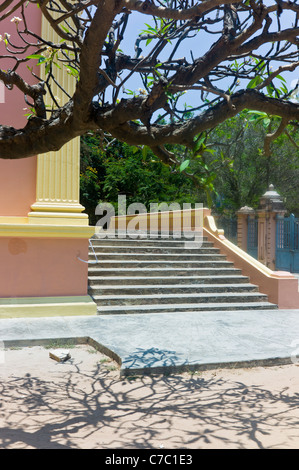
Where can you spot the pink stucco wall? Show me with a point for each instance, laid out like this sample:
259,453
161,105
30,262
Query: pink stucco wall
32,267
17,186
17,177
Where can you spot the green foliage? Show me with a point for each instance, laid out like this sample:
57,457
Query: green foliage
134,172
228,167
184,165
195,163
246,172
49,58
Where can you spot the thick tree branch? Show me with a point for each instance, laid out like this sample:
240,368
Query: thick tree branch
272,136
182,14
38,136
184,133
91,59
231,45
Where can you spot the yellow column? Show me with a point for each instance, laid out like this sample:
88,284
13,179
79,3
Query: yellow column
58,173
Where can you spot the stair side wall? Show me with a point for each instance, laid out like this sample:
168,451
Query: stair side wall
280,287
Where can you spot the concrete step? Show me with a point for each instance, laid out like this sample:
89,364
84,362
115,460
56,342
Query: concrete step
102,264
105,269
181,280
154,289
149,275
203,307
157,257
171,242
143,249
158,298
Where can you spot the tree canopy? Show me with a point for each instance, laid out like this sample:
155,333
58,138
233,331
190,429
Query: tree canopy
231,168
243,172
199,63
138,174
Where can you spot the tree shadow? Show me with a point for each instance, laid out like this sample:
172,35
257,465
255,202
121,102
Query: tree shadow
97,409
153,359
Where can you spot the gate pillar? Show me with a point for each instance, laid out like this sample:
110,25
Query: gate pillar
242,233
271,205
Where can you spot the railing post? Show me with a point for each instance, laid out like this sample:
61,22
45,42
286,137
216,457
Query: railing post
262,254
242,230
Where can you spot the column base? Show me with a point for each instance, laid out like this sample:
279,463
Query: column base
57,214
56,218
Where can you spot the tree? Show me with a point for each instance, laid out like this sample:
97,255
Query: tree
122,169
237,54
244,170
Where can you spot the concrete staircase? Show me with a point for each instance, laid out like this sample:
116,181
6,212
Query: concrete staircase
149,275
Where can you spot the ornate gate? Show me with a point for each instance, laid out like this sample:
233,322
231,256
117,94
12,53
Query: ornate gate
287,244
252,236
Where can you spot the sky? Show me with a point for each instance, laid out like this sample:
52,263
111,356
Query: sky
200,44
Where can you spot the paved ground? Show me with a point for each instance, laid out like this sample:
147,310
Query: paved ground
83,403
171,341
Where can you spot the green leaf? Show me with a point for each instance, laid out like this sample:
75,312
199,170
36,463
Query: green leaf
284,89
135,149
266,122
35,56
48,66
184,165
255,115
255,81
198,144
144,152
42,60
170,95
270,89
72,70
281,78
64,29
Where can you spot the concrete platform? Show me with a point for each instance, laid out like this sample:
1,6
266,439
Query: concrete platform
167,342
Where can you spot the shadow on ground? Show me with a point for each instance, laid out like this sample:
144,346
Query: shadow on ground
96,409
